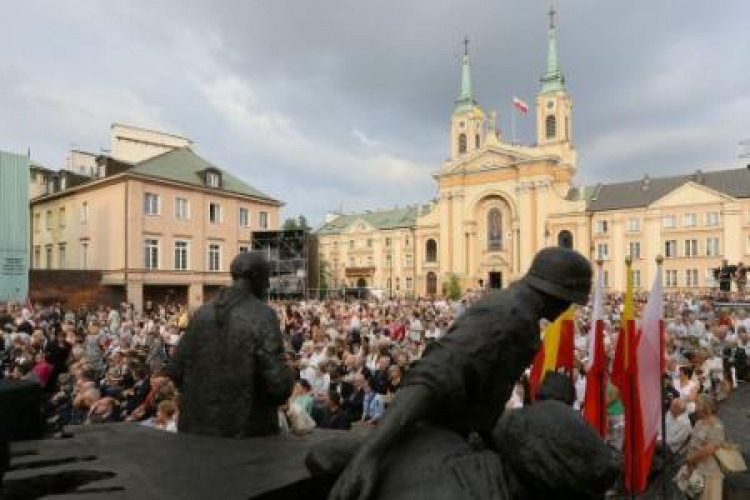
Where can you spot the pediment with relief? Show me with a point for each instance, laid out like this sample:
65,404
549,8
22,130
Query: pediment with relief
359,226
487,159
690,193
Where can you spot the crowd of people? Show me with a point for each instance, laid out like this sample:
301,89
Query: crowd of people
107,364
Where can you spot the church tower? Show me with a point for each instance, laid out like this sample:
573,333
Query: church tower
553,104
467,122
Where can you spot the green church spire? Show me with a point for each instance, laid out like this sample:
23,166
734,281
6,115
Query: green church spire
465,101
553,80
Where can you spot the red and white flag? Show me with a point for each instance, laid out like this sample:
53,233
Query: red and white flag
595,402
520,105
650,366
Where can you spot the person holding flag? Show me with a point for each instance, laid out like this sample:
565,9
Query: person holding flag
556,351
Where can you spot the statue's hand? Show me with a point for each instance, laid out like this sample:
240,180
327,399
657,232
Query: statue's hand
359,478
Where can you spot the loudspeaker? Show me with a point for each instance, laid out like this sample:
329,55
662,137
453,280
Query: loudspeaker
20,410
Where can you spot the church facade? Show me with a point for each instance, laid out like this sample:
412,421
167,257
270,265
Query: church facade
500,202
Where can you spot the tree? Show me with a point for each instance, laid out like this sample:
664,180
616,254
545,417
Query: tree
324,272
452,287
302,223
290,224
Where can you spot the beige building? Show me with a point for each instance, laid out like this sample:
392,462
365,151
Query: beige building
155,219
499,203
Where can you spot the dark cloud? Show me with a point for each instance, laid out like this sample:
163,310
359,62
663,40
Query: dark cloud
341,102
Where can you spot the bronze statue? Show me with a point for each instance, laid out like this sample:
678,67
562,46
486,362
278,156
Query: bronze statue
460,387
230,365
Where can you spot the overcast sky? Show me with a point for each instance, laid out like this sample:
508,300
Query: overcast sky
346,103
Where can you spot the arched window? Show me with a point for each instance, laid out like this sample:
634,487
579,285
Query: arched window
551,127
477,141
494,230
565,239
461,143
431,250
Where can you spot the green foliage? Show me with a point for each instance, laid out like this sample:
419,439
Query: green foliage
293,224
452,287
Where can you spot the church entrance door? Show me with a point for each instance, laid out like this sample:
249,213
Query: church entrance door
495,280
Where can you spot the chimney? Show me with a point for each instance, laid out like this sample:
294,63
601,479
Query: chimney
646,182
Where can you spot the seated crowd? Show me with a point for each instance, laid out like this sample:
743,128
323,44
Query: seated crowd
107,364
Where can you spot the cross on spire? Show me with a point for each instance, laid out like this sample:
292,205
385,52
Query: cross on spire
551,15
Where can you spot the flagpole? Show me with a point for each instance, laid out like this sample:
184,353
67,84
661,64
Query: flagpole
631,388
659,262
603,424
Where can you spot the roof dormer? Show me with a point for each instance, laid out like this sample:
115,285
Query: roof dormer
212,177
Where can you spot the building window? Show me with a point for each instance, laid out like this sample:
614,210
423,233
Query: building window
213,179
406,241
49,220
494,230
409,260
352,262
602,226
398,283
369,243
691,277
670,221
244,249
369,260
61,217
409,283
634,250
712,247
388,242
670,248
602,251
691,248
477,141
181,208
37,257
62,256
633,225
151,204
214,213
389,260
214,257
690,220
461,143
151,254
48,256
351,244
263,220
636,278
84,212
671,277
181,255
551,126
244,217
431,250
712,218
37,222
84,255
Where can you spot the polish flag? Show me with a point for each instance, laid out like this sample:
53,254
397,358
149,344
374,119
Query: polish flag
595,404
520,105
650,354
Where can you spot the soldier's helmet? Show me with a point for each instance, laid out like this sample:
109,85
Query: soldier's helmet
562,273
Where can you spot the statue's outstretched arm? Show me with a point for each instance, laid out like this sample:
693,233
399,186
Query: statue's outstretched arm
410,405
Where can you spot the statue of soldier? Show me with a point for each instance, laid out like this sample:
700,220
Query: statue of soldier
230,365
461,384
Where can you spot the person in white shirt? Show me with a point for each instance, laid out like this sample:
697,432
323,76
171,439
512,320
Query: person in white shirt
678,426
